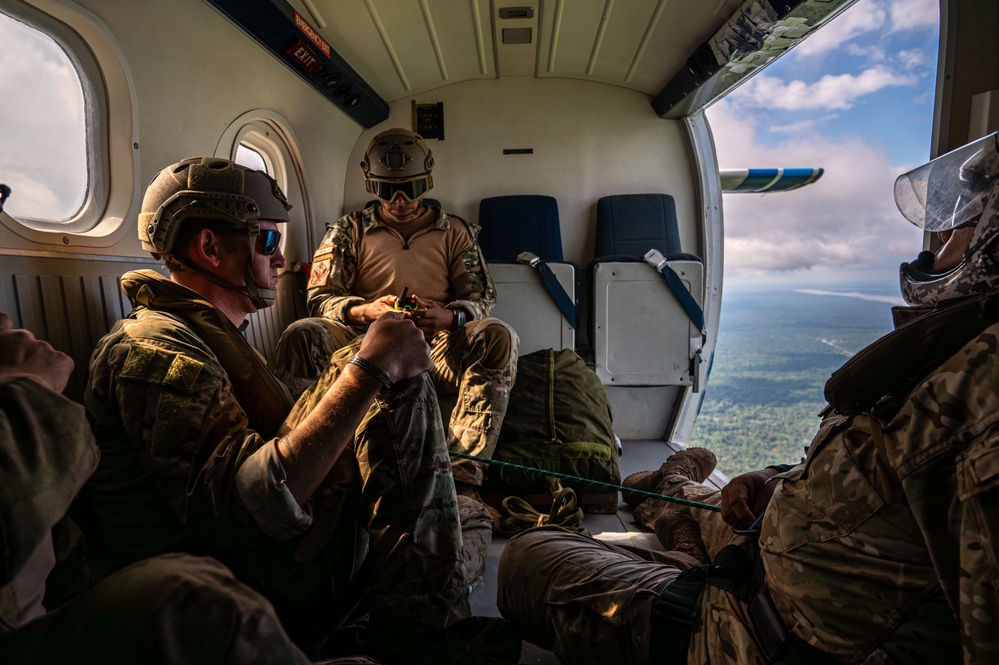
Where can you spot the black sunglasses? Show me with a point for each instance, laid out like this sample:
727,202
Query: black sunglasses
268,240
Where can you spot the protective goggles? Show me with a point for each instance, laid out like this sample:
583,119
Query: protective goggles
411,189
268,241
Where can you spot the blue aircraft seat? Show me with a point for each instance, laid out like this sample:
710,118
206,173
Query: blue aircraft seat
512,225
643,331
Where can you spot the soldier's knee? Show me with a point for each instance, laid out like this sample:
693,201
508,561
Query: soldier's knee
501,344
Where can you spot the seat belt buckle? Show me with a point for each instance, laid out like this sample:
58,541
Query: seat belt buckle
655,259
529,258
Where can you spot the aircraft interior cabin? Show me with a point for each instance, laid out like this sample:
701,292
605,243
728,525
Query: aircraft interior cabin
572,133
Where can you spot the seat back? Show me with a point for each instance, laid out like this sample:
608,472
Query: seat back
641,334
515,224
632,224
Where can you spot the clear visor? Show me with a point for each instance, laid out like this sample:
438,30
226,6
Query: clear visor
950,191
387,190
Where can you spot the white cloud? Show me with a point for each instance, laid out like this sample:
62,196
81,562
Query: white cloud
911,58
913,14
846,222
41,105
863,17
871,53
837,92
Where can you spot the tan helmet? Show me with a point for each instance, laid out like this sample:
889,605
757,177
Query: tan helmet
398,160
209,189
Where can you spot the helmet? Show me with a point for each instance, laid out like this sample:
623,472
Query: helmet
211,189
955,190
398,160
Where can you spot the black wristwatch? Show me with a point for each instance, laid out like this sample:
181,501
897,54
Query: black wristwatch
459,318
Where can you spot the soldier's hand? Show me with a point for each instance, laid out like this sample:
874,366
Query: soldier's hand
23,355
396,346
746,496
431,317
369,312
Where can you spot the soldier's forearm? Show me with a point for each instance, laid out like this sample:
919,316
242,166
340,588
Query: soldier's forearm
310,450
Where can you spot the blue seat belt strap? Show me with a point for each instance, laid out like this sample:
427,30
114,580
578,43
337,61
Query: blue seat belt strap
656,259
555,290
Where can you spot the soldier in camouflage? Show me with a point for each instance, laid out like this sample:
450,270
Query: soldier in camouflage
881,545
368,258
339,504
174,609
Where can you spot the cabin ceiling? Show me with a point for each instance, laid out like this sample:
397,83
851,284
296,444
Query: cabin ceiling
404,48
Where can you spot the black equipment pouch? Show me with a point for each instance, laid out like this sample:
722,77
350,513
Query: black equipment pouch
673,614
742,575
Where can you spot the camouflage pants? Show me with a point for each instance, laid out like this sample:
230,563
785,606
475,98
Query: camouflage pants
421,565
475,365
175,609
587,601
591,602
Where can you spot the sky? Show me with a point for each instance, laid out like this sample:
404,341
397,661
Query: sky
855,98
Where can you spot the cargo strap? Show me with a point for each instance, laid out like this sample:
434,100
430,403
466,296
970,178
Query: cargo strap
565,512
656,259
554,287
675,611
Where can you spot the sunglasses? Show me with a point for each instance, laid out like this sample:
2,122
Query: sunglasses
268,240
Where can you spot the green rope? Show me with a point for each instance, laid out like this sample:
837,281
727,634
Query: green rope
587,481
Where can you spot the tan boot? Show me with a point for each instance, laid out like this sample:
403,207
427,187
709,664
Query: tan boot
472,492
681,533
694,463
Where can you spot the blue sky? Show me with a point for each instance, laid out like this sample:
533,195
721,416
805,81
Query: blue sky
857,99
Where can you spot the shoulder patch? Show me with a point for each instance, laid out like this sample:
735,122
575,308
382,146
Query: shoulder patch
169,368
320,271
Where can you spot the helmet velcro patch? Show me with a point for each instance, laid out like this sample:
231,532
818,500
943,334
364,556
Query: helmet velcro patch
215,175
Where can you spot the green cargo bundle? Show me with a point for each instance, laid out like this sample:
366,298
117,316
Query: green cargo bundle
559,419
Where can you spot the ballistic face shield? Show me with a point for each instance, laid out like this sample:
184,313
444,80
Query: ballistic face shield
953,191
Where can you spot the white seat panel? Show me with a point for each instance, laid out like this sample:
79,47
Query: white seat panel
642,335
523,302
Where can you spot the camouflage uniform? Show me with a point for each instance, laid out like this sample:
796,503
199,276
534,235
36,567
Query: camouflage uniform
477,363
171,609
880,547
188,418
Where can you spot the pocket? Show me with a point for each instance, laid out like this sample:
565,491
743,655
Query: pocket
831,498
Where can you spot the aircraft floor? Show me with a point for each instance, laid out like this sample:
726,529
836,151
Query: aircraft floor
638,456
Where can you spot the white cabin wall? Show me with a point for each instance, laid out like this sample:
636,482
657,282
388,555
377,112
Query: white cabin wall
208,73
589,139
188,74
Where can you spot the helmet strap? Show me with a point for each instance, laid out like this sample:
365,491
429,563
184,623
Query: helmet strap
257,295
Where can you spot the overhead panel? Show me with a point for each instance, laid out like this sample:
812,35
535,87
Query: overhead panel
515,34
569,31
638,44
405,48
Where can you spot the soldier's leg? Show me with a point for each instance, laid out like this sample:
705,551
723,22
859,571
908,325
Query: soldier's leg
173,609
479,362
419,581
304,350
682,476
588,601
